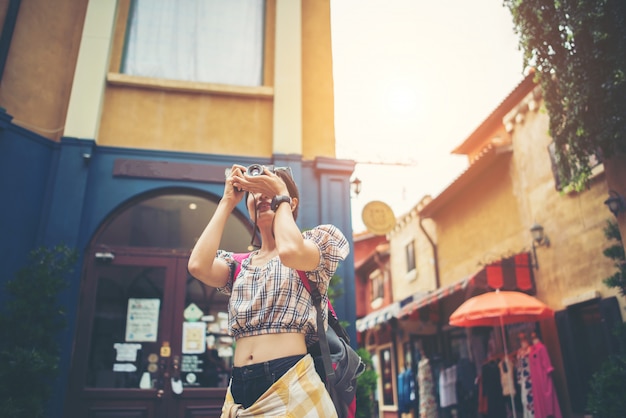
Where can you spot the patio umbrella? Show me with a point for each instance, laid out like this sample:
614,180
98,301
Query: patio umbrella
500,308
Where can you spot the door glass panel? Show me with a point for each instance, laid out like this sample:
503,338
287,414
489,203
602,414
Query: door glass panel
125,334
207,349
173,220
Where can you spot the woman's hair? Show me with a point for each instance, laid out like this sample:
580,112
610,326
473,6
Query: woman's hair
291,187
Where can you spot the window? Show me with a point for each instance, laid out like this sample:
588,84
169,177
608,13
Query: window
180,217
377,282
559,182
196,40
386,376
410,256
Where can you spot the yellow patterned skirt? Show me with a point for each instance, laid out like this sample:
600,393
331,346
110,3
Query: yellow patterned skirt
299,393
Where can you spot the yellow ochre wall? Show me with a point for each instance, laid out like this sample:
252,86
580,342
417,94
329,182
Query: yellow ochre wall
37,77
138,112
491,220
573,265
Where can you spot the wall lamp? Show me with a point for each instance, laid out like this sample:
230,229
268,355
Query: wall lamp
539,240
355,186
615,202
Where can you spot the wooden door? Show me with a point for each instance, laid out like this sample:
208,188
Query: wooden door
151,341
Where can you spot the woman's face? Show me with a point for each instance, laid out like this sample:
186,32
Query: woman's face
259,205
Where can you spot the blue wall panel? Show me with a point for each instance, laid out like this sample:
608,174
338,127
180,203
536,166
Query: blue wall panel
25,161
62,192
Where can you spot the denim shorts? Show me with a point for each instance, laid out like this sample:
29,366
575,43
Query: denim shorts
248,383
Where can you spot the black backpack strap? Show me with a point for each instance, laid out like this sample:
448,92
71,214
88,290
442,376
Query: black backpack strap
329,371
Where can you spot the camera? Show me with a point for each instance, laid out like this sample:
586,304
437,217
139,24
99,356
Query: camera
255,170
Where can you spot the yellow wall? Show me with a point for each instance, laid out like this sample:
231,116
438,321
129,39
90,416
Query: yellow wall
491,217
318,121
157,114
38,74
205,118
422,279
574,264
479,225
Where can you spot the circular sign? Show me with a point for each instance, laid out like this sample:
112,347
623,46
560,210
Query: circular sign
378,217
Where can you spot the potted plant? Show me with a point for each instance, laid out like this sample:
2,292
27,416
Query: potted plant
29,326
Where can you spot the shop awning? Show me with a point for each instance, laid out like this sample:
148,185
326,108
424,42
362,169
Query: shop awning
378,317
513,273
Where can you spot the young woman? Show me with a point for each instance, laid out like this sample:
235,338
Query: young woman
271,314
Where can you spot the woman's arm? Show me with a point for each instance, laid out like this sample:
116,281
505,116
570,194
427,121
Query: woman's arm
294,251
203,265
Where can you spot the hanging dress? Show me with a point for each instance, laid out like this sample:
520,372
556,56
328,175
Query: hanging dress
545,399
525,382
428,403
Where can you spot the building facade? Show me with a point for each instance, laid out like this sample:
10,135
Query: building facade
122,156
475,237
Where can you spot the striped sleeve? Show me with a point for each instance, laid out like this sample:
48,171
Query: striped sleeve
333,247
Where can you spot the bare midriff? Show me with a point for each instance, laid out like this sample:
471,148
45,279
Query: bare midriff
266,347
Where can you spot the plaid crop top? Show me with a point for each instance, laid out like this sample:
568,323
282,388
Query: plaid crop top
272,299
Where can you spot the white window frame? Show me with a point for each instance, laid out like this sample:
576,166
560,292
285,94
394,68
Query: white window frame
210,41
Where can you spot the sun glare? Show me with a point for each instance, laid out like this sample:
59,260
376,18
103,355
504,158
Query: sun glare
402,101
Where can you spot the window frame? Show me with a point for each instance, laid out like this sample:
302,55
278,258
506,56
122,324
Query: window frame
383,406
116,78
377,288
410,259
596,165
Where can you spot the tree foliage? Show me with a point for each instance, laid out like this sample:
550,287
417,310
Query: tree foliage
29,326
606,395
616,253
578,51
365,387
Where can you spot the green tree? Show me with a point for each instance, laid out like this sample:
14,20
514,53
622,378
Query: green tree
616,253
578,51
365,387
606,394
29,326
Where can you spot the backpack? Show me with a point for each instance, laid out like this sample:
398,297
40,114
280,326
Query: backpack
337,363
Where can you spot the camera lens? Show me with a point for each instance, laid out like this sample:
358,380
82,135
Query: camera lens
255,170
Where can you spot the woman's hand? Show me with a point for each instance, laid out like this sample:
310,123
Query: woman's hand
268,183
233,190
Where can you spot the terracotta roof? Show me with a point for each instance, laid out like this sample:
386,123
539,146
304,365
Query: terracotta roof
484,160
495,118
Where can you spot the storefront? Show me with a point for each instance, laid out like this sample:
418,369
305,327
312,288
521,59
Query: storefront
409,335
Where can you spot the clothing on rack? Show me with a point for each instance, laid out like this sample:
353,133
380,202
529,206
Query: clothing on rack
525,382
447,387
492,390
506,376
428,403
406,390
546,403
467,388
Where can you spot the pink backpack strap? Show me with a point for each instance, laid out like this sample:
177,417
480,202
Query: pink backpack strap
307,284
239,257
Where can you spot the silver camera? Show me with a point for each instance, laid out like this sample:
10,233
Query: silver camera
255,170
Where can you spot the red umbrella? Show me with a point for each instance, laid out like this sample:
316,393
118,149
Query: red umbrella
500,308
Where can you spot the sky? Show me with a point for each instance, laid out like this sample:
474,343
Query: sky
413,79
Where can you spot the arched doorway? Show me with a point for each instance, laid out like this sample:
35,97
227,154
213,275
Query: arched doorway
151,340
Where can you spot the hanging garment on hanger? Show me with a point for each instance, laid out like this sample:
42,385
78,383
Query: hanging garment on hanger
545,400
428,403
